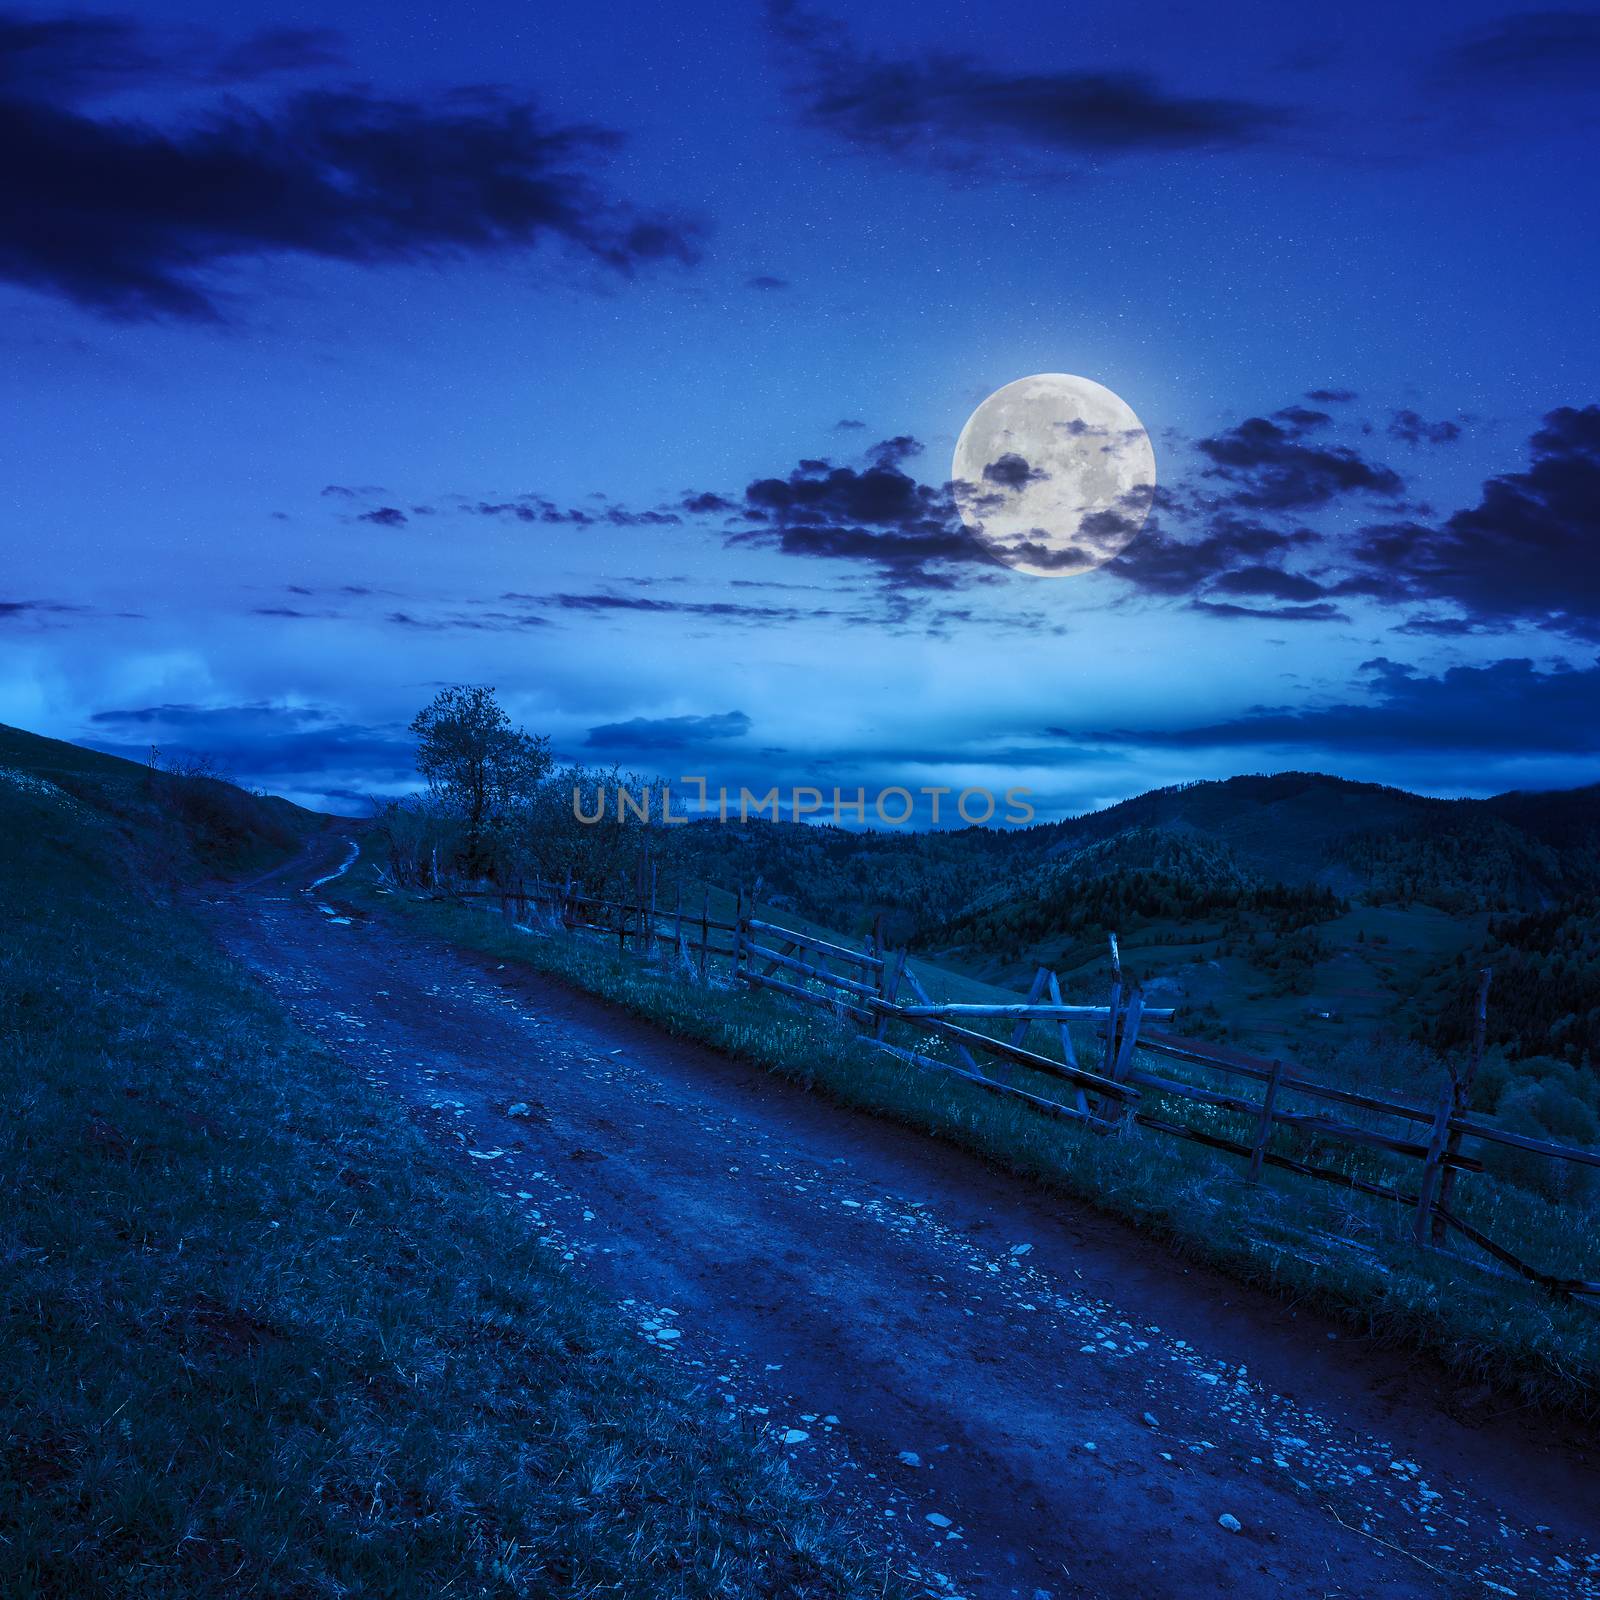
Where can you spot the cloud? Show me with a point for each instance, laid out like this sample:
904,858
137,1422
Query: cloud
1267,464
910,531
1526,551
535,508
131,220
1506,706
385,517
257,740
707,503
25,610
280,50
1270,583
1012,471
1159,563
1322,611
722,610
765,281
952,113
1413,429
891,452
1331,397
847,425
1529,50
669,733
66,60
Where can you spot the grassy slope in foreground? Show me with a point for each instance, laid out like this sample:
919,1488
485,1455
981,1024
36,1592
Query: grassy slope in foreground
1482,1328
260,1339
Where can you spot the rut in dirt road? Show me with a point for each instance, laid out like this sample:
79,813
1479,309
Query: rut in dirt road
1026,1399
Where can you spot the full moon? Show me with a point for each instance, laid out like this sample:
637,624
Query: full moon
1055,474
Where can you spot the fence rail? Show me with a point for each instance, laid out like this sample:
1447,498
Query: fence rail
1112,1093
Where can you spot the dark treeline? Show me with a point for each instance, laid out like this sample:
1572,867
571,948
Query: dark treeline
1546,989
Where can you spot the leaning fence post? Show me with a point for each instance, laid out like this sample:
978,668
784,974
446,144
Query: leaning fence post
1125,1048
1111,1010
1258,1153
1035,993
1430,1167
1462,1096
888,988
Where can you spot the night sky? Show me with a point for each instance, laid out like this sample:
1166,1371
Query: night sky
614,356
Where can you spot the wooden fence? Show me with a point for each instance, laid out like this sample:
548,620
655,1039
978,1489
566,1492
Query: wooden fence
1109,1086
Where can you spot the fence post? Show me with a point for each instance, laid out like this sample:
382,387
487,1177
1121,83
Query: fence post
1462,1097
1115,1002
705,928
888,988
1035,994
1068,1054
1258,1153
1125,1047
1430,1167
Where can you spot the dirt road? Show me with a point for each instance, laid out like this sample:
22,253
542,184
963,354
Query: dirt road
1027,1399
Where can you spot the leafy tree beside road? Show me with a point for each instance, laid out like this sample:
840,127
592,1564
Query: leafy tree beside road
477,763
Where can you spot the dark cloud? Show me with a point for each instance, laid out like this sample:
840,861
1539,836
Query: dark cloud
469,622
1270,583
1533,50
1159,563
535,508
766,281
67,60
1414,429
707,503
130,219
1012,471
1509,706
22,610
1331,397
721,610
1322,611
847,425
385,517
1268,465
669,733
1526,552
909,531
891,452
1442,627
258,740
273,51
955,114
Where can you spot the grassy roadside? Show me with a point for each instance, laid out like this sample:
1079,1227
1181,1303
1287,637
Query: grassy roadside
260,1339
1486,1331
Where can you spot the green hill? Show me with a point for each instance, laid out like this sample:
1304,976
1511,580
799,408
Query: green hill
169,825
257,1335
1294,906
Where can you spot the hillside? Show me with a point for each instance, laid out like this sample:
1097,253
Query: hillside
259,1336
169,825
1290,906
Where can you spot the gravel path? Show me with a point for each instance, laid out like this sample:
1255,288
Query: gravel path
1027,1399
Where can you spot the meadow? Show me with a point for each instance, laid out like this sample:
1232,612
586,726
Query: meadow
259,1336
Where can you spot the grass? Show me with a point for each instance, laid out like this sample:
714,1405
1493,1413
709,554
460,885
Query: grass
1343,1254
260,1339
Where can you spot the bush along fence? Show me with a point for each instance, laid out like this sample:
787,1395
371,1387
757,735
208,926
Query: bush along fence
1263,1111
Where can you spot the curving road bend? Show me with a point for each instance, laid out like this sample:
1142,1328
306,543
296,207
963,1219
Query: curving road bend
1028,1400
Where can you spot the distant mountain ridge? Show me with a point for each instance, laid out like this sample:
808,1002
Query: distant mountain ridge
1515,850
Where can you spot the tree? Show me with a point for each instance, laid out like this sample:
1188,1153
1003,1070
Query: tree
476,762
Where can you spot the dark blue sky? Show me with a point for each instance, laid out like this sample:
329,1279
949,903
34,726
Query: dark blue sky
355,350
